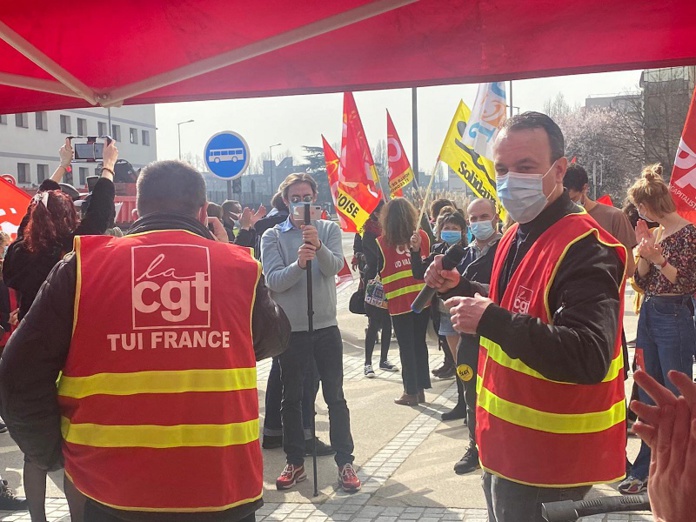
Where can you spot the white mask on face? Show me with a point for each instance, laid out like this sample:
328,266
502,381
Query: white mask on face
522,195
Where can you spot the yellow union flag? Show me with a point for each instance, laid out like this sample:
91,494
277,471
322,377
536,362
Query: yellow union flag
476,170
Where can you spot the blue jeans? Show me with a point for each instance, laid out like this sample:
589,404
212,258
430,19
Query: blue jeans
667,336
272,422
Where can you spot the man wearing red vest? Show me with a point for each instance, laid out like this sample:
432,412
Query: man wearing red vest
550,413
155,337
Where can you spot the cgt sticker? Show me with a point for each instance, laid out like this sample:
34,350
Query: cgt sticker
465,372
523,299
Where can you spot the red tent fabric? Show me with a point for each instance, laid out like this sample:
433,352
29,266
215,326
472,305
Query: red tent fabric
61,55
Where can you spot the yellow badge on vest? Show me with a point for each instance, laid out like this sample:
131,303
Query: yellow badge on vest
465,372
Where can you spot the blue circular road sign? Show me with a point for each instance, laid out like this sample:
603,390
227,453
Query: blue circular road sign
227,155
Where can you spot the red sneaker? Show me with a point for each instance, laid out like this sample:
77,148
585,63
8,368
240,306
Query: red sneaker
290,476
348,479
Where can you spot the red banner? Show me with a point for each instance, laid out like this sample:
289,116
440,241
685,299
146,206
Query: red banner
357,165
682,185
354,201
400,172
13,206
332,164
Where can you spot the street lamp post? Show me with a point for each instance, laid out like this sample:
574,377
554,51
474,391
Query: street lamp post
178,131
270,157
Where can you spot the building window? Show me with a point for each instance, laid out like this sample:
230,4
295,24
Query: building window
41,121
84,172
146,138
65,127
116,132
97,171
3,119
22,120
134,136
81,127
101,128
23,174
41,173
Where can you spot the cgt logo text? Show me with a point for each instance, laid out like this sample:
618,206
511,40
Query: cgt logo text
170,287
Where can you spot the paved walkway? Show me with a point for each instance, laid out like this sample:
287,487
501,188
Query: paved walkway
405,455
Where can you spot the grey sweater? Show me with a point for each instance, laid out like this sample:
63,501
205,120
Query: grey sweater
288,282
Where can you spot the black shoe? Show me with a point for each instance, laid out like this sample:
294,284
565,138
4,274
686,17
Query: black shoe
3,427
458,412
323,449
272,441
468,463
8,500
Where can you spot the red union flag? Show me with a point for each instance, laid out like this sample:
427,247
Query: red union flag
357,165
13,205
332,167
400,172
682,184
354,201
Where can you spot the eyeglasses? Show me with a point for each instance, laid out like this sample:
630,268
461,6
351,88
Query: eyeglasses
301,199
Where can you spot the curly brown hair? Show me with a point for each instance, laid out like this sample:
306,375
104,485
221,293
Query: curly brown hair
51,225
398,219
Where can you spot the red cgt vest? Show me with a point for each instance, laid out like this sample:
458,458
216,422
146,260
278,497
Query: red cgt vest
159,387
400,287
533,430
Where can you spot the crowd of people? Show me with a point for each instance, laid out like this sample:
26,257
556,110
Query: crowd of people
132,360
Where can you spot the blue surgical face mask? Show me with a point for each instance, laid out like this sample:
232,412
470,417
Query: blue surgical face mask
522,195
451,237
482,230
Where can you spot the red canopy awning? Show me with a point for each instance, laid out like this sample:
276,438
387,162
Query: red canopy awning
73,54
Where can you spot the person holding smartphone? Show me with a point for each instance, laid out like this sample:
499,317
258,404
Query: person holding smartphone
286,250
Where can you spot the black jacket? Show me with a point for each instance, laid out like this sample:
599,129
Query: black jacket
38,350
584,299
26,272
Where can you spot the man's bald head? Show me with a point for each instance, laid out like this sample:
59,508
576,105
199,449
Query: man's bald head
481,209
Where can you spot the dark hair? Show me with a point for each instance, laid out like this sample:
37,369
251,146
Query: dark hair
51,225
437,205
215,210
278,203
537,120
378,209
575,177
452,218
398,219
293,179
170,186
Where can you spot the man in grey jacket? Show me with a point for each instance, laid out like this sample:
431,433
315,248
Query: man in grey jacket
285,251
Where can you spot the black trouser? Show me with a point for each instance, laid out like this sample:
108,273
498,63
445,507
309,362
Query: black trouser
410,329
93,513
509,501
272,422
468,354
376,318
326,347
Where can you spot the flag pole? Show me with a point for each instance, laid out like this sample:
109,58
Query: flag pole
427,194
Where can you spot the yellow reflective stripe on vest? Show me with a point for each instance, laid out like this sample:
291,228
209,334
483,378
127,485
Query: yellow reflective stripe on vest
550,422
396,276
403,291
151,436
496,353
158,382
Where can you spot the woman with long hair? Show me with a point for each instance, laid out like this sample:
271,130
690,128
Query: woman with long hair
398,219
44,237
666,272
377,318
